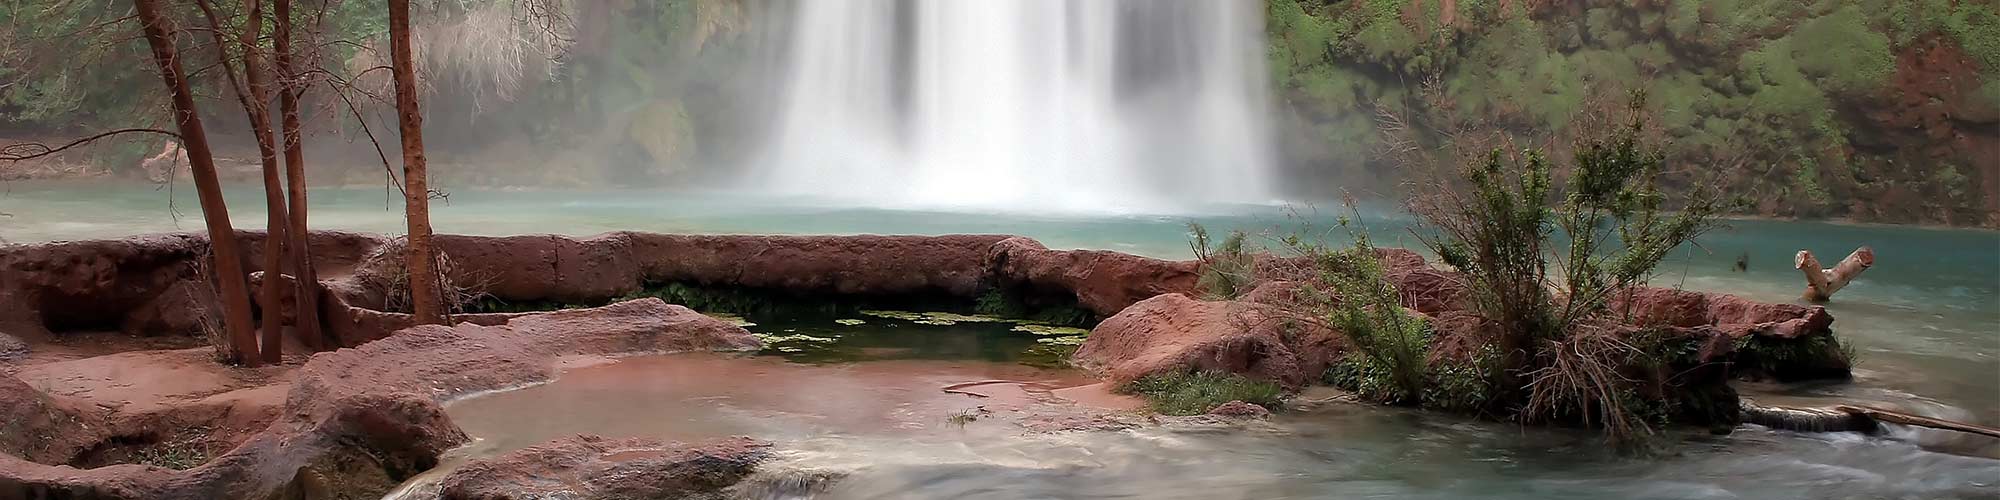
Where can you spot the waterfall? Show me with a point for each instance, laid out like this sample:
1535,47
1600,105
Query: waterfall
1041,105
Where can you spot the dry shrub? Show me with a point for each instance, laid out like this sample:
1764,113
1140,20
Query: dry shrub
386,270
492,49
201,300
1578,378
489,50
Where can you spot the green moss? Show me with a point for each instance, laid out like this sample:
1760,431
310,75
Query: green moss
1814,357
490,304
1052,331
744,302
1186,393
1049,309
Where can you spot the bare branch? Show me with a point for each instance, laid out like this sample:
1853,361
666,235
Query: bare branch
32,150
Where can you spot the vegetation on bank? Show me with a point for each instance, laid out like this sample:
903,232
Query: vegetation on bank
1542,247
1870,109
1195,393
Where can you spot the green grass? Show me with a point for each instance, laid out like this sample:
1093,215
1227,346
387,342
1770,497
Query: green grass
1194,393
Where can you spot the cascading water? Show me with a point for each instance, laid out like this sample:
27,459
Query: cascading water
1043,105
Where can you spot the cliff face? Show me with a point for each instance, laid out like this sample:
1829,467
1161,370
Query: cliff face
1875,110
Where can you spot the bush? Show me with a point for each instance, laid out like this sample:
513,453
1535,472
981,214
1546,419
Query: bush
1365,306
1227,271
1194,393
1542,261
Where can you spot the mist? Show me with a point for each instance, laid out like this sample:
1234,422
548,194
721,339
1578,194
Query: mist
1039,106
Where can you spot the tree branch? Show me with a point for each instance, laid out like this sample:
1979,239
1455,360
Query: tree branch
32,150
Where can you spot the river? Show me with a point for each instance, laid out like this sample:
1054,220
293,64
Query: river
1925,322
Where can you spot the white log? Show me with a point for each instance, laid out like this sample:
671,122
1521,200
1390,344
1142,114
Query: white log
1822,283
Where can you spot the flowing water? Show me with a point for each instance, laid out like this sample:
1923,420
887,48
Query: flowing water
1046,104
1925,320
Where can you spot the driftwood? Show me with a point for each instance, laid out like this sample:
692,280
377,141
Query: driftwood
1850,418
1033,387
1822,283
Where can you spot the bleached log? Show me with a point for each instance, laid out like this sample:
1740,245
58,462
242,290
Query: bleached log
1822,283
1849,418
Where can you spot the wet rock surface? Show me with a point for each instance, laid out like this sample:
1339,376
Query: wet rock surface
1239,409
1174,332
592,467
1104,282
358,421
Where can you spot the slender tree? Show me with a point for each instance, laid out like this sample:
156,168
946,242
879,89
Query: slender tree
253,92
307,295
160,35
425,299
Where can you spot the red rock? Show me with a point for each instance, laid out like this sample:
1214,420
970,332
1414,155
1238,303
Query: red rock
1174,333
140,285
12,348
182,309
1653,306
1102,281
953,265
358,421
590,467
1239,409
40,427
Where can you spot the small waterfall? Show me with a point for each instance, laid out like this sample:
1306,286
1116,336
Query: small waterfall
1043,105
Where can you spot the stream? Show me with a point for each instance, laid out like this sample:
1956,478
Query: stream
1925,322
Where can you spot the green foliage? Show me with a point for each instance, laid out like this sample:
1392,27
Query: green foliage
1743,85
1463,385
742,301
1195,393
1543,261
1227,271
1819,356
1365,306
1057,311
1974,26
1843,53
1952,182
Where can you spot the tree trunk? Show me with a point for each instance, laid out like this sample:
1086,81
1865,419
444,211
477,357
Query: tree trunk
201,161
1822,283
425,300
307,279
253,92
258,107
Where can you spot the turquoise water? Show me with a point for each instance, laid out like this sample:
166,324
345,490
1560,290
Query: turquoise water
1925,319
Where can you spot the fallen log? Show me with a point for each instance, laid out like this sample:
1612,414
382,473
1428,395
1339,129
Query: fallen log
1850,418
1897,417
1822,283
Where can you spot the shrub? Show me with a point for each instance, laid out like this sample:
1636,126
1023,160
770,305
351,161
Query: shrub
1194,393
1548,293
1365,306
1227,270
